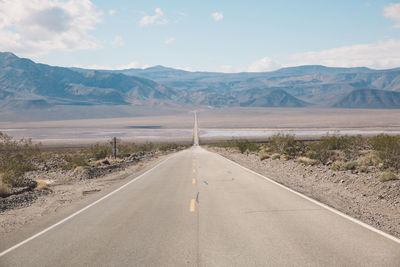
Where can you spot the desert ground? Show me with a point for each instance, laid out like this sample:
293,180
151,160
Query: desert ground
215,125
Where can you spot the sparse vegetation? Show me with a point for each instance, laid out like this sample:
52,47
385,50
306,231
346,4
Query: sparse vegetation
263,155
388,175
75,160
167,147
388,149
242,145
341,153
100,151
4,189
285,145
15,159
20,156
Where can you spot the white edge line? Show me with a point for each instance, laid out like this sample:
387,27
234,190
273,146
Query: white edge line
369,227
85,208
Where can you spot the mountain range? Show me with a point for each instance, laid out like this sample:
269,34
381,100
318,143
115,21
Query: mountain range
26,85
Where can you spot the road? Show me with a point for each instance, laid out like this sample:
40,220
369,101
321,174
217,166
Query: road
197,208
195,130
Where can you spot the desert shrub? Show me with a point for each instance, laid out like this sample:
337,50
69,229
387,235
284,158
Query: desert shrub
330,148
73,161
388,175
41,185
146,147
285,145
275,156
388,149
318,151
307,161
337,165
16,159
241,145
4,190
350,165
100,151
370,159
263,155
167,147
246,145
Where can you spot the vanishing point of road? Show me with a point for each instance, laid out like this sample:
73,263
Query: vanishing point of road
197,208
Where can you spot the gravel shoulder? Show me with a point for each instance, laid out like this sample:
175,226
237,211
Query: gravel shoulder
360,195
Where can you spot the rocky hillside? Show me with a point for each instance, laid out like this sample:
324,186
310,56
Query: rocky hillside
25,84
319,85
370,99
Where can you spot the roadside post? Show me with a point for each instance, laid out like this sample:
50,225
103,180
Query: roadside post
115,147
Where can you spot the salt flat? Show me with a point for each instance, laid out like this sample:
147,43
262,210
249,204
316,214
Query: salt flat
214,124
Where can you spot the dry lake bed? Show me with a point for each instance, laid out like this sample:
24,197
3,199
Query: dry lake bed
214,124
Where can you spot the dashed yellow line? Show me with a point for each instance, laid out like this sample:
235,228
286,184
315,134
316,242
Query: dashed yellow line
192,205
194,181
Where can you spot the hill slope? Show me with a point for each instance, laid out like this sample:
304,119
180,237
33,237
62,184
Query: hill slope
370,99
319,85
24,83
274,98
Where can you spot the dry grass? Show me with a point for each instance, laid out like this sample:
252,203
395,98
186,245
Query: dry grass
263,155
307,161
98,163
284,157
388,175
276,156
4,190
41,184
80,169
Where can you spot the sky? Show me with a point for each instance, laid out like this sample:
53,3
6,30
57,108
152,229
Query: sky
223,35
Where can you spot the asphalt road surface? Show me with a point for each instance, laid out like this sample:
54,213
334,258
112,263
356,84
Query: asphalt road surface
197,208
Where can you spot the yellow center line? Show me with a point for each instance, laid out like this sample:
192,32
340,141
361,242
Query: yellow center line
194,181
192,205
194,171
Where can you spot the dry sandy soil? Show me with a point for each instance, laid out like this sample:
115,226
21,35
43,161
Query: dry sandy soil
360,195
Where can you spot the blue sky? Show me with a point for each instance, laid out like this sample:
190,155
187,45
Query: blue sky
228,36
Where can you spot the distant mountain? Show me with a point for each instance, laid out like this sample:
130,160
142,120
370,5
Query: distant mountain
370,99
274,98
322,86
26,84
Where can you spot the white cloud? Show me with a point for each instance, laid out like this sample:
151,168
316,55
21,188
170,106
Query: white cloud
131,65
117,41
112,12
183,14
379,55
227,69
264,64
36,27
157,18
217,16
393,12
169,40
